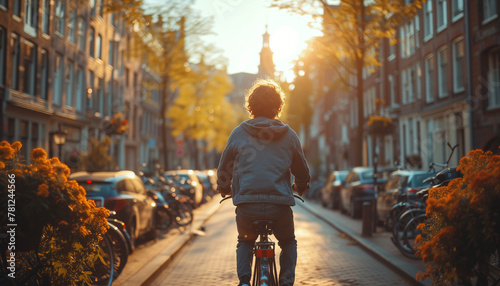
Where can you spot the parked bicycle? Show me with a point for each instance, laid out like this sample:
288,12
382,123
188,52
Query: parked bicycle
409,214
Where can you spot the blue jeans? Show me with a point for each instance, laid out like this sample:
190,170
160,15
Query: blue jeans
283,230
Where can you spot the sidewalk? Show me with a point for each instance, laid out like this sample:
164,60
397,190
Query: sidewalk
152,258
379,244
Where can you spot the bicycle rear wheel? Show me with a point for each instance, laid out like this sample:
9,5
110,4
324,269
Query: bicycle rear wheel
103,270
120,249
398,232
184,215
411,232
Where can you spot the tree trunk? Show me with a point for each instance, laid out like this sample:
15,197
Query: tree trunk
360,85
164,127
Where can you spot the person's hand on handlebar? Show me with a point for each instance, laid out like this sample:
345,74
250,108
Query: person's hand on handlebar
300,192
225,192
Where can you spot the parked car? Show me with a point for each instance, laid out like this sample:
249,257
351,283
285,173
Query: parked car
330,193
124,193
359,188
208,188
188,180
402,185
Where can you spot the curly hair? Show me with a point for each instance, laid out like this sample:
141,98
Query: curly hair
265,98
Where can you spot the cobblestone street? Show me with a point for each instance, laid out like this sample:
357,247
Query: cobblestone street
326,256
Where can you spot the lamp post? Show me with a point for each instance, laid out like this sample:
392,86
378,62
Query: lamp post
59,138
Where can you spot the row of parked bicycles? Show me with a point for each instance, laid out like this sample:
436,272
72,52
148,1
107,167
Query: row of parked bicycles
410,212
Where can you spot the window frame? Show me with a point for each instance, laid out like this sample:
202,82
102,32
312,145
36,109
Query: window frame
456,81
442,71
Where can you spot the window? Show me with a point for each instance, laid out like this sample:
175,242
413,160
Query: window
17,8
3,51
46,16
80,88
92,8
44,75
4,4
69,84
489,10
392,90
392,50
494,78
81,34
457,9
429,79
29,68
100,96
428,20
111,56
101,8
31,16
15,61
109,99
99,47
404,86
58,82
441,15
414,83
90,92
59,19
92,42
442,62
72,26
409,37
458,65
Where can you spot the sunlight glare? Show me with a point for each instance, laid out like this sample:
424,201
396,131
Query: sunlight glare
284,44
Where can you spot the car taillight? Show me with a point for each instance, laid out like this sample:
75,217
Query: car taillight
115,204
366,187
412,192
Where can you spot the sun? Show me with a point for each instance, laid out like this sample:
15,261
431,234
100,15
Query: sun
284,44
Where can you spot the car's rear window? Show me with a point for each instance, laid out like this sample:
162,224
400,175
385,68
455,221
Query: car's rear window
97,188
341,176
417,180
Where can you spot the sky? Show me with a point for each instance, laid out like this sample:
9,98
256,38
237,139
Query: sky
239,25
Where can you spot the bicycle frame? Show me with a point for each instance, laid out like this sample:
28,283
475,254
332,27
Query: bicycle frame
265,273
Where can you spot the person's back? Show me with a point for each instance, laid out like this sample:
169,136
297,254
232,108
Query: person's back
256,167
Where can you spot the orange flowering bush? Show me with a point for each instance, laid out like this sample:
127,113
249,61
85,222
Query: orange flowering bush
52,215
463,226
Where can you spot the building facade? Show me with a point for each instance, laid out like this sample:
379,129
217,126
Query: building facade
63,65
439,83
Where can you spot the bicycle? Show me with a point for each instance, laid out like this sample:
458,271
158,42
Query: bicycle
411,214
264,272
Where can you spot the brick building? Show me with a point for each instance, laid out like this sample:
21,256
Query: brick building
446,56
63,65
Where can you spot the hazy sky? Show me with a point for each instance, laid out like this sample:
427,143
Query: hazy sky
240,24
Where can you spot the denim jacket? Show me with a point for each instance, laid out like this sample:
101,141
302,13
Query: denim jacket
260,156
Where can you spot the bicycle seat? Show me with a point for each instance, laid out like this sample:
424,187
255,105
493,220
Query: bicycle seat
263,226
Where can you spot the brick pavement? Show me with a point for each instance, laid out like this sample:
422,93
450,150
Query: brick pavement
326,256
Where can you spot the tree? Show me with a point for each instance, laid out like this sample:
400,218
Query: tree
98,159
353,31
164,37
201,110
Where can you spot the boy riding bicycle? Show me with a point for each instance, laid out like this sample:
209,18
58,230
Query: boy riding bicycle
255,168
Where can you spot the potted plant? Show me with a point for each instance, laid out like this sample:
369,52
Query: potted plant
462,231
50,215
379,125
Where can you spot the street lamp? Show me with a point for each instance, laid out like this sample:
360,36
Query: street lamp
59,138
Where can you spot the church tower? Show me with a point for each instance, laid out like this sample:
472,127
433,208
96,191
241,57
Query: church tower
266,66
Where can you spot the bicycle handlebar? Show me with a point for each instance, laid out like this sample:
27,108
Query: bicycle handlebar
229,197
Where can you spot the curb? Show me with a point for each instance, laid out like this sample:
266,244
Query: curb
376,253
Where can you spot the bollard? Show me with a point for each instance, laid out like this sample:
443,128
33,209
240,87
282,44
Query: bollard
367,226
